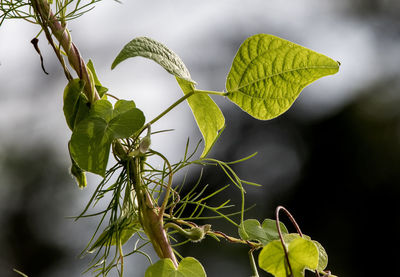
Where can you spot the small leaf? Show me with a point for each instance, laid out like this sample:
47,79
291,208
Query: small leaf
92,137
268,74
101,91
154,50
93,71
99,87
303,254
188,267
207,114
264,234
76,105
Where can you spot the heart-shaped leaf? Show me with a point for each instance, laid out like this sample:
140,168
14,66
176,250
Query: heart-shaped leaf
251,229
92,137
154,50
322,255
303,254
207,114
188,267
268,74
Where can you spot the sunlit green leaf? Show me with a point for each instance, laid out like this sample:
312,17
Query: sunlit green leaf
303,254
323,257
92,137
252,230
188,267
76,105
268,74
154,50
207,114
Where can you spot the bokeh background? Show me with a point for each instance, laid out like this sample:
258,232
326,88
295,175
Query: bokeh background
332,160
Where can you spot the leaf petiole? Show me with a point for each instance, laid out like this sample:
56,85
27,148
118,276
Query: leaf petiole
220,93
180,100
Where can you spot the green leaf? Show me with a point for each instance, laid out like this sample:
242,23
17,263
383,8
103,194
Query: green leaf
251,229
92,137
292,236
207,114
188,267
99,87
93,71
101,91
323,257
154,50
121,230
268,74
76,106
303,254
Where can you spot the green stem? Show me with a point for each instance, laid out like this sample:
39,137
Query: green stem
220,93
253,264
180,100
121,258
168,189
253,245
152,223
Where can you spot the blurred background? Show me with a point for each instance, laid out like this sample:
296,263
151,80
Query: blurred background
332,160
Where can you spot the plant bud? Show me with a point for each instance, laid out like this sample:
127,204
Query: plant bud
79,175
144,144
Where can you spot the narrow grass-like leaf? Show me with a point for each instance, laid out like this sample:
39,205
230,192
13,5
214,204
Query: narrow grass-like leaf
154,50
120,231
268,74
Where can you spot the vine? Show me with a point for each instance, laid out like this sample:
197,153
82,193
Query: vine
147,207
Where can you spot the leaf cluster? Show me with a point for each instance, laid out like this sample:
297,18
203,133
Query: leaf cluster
267,75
